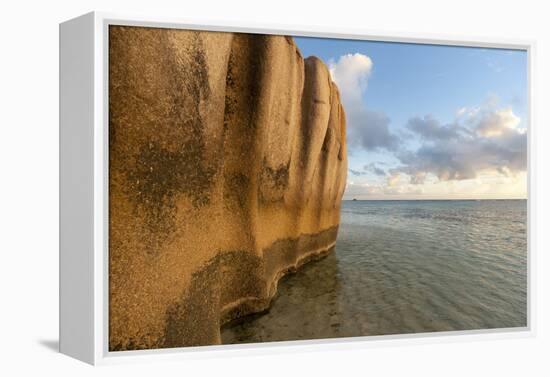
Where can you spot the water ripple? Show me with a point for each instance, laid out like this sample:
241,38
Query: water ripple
406,267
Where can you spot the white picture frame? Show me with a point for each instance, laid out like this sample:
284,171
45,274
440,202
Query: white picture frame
84,190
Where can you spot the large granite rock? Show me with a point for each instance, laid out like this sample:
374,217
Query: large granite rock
227,167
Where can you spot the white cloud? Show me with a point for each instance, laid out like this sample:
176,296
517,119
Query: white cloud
461,111
366,128
351,73
497,123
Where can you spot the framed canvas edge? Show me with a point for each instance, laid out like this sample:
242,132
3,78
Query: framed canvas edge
102,355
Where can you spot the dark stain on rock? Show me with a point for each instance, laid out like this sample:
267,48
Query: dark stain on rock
308,102
160,175
235,187
287,252
244,81
230,103
196,320
273,182
340,151
229,276
255,64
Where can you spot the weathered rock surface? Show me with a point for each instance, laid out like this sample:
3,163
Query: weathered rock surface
227,167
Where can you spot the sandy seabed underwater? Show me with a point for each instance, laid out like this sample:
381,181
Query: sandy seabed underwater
405,267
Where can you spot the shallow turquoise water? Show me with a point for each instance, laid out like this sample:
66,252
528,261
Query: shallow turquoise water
406,267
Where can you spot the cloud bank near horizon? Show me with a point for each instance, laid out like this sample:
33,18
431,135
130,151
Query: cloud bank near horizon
488,141
482,147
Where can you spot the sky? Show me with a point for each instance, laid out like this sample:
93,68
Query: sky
430,121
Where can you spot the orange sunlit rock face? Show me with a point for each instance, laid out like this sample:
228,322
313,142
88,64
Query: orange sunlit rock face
228,163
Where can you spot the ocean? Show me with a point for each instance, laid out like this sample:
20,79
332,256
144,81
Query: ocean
405,267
